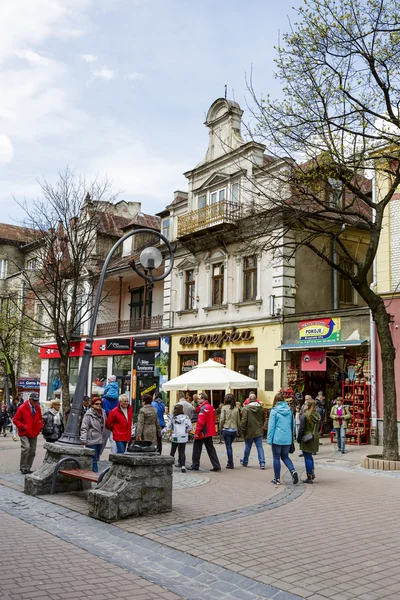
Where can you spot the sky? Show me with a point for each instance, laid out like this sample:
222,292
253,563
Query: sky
119,89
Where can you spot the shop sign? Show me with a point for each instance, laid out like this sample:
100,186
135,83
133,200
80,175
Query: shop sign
144,364
217,338
151,388
109,347
51,350
119,344
187,365
29,383
146,343
319,331
313,360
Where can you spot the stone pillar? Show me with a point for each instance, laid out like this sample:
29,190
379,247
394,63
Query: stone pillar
137,484
39,482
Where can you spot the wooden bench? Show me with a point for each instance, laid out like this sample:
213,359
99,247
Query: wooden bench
79,473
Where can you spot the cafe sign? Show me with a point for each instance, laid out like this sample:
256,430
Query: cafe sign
218,338
320,331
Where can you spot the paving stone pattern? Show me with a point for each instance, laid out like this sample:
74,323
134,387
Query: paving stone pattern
288,494
188,577
37,566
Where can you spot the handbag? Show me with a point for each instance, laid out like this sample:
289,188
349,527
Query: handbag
292,448
308,437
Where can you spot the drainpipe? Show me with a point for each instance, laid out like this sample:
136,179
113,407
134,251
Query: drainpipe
335,295
119,304
372,336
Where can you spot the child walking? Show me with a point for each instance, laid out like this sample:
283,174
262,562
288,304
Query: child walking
179,424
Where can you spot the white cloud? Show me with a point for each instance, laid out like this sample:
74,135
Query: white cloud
103,73
136,76
6,150
89,58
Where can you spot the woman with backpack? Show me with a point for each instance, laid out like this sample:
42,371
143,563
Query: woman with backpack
179,425
308,436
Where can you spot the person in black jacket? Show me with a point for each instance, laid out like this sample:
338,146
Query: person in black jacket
4,419
11,411
53,426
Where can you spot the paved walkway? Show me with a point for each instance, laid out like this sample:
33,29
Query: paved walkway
336,540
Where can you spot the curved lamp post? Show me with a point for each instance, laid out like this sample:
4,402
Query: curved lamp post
150,258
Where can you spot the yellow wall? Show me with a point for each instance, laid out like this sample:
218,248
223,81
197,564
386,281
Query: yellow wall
383,273
266,339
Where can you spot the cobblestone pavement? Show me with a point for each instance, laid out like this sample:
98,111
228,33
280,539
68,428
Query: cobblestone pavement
38,565
184,575
336,540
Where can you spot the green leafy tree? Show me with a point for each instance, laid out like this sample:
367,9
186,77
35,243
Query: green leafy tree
16,335
336,122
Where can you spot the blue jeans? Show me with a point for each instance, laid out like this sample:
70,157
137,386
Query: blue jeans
341,438
97,452
229,438
260,450
279,453
309,462
121,447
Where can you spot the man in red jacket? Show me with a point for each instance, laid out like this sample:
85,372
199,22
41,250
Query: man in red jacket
205,429
28,420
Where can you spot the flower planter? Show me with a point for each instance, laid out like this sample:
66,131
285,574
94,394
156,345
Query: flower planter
375,461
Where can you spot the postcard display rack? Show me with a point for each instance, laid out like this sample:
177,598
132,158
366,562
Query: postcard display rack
356,397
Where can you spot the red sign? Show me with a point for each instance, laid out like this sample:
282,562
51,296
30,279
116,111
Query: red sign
100,349
313,360
51,351
76,349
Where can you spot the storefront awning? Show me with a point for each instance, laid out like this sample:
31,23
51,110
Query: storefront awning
337,345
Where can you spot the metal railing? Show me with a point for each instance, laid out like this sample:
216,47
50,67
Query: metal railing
213,214
130,325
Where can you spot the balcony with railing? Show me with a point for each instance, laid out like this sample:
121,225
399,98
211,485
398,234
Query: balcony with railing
211,216
130,326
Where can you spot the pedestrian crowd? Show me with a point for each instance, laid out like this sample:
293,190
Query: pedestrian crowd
110,417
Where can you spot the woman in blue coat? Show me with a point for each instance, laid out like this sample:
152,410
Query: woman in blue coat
281,434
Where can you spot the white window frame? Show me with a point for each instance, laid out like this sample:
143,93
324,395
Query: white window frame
3,268
31,264
220,258
166,231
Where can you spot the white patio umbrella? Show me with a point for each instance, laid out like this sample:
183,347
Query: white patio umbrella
210,375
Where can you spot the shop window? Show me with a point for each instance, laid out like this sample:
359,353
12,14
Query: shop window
122,369
188,361
189,290
249,278
136,303
346,291
217,287
217,355
54,380
245,363
99,375
73,375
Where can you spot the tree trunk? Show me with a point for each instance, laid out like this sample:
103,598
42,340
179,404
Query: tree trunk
64,376
388,355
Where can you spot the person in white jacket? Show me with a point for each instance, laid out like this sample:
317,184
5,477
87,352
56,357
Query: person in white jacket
179,425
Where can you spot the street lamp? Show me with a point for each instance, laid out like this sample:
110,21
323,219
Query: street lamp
150,258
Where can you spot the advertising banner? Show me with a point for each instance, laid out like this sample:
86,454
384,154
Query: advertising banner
144,364
319,331
146,344
313,360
